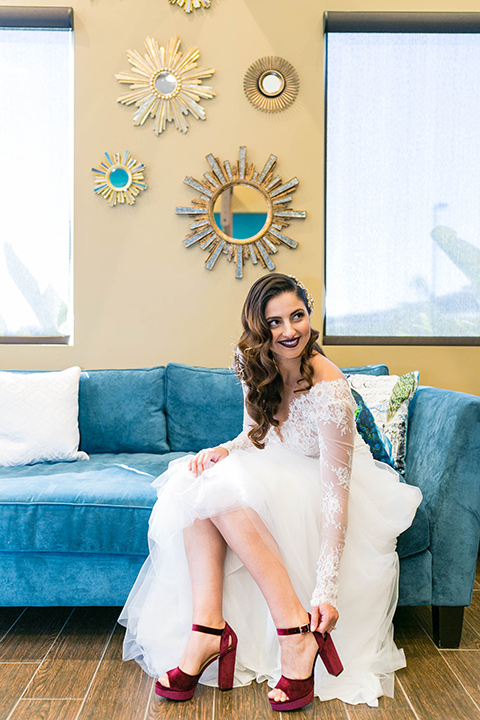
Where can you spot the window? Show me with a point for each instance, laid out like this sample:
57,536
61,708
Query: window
402,228
36,182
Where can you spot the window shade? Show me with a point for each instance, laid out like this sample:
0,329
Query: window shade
402,254
36,183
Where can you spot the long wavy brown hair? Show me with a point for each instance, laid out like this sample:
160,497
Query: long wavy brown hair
254,362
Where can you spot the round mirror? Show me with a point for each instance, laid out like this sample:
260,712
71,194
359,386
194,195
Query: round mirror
118,177
166,83
271,83
240,211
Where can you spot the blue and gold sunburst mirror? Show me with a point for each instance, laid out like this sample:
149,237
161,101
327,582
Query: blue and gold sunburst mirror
119,179
241,213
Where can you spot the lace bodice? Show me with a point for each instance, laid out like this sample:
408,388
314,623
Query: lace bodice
321,424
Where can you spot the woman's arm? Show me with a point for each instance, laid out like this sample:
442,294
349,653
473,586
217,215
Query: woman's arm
334,415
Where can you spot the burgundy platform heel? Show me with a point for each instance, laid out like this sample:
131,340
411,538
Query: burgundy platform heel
182,685
300,692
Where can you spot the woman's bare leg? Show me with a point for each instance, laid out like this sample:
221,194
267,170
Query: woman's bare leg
205,549
248,537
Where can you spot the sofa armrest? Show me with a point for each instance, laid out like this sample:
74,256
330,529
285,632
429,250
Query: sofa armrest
443,460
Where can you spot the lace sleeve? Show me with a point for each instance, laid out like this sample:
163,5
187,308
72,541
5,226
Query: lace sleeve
334,417
242,441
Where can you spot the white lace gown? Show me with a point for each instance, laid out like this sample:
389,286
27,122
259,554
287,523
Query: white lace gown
334,513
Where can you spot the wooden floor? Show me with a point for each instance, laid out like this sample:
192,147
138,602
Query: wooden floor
65,664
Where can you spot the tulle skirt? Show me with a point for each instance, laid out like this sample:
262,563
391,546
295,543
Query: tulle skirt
283,489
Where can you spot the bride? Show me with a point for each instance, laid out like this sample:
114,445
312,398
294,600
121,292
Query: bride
286,534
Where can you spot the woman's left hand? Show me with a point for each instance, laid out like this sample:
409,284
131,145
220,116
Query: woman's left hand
324,617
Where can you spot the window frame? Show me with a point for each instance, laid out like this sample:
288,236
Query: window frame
39,18
388,22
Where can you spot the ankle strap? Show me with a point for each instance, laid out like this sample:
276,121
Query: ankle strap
208,630
301,630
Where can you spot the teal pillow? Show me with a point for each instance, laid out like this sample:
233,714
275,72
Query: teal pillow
366,370
204,406
123,411
379,445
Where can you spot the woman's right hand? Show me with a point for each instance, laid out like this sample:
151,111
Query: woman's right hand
202,460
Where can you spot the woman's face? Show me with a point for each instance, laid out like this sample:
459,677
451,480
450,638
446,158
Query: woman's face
289,323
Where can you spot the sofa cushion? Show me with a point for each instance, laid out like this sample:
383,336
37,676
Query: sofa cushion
204,406
101,506
39,417
123,411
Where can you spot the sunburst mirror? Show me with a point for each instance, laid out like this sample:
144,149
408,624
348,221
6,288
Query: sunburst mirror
271,84
119,179
189,5
165,85
240,212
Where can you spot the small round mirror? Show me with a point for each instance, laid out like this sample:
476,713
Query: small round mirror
119,177
240,211
271,83
166,83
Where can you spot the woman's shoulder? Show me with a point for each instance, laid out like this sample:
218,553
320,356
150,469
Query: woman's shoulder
324,370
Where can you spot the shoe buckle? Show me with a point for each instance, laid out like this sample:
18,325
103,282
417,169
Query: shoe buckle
304,629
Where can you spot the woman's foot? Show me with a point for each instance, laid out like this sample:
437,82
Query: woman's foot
200,648
298,655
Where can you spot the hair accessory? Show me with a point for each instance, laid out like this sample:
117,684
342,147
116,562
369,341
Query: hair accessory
308,295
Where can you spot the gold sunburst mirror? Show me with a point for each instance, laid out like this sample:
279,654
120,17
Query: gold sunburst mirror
165,85
271,84
119,180
189,5
241,213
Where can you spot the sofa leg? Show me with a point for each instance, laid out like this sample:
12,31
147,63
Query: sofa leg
447,625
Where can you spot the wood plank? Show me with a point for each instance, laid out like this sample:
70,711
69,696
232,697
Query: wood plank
68,669
318,710
8,618
120,690
200,707
252,702
396,708
431,686
34,634
466,665
14,678
46,710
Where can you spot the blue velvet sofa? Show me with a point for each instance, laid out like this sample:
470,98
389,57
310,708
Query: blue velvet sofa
76,533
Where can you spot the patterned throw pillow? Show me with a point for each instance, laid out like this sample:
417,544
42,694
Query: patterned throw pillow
380,446
388,398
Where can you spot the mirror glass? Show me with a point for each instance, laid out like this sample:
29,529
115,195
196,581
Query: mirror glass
166,83
240,211
271,83
119,177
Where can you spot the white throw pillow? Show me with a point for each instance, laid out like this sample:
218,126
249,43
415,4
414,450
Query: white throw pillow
39,417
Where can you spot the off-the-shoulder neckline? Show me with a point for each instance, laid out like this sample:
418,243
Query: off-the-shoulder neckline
306,393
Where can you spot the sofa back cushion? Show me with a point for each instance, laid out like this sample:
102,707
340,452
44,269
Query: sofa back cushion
123,411
204,406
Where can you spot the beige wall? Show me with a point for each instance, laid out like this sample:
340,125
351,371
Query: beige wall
141,298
